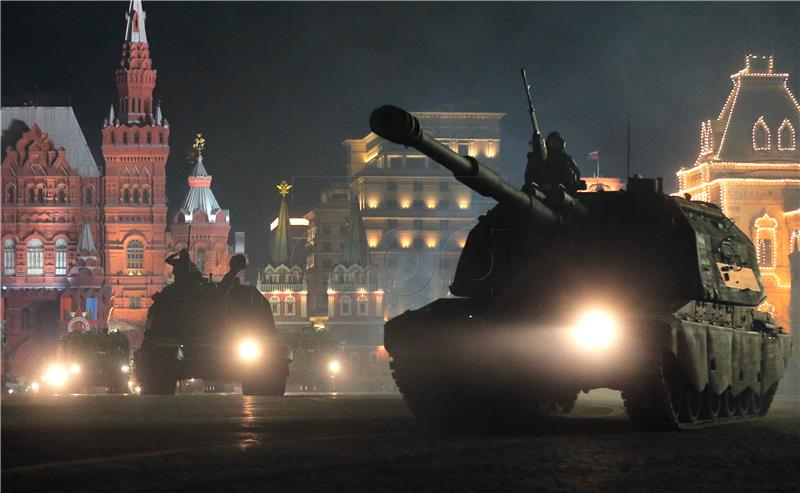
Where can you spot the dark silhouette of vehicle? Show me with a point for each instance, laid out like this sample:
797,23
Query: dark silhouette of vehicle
88,359
200,329
554,293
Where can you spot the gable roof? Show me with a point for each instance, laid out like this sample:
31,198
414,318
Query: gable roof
61,126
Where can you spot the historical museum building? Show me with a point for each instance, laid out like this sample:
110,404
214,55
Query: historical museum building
749,164
83,247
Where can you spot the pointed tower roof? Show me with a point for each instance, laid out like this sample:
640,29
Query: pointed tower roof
356,249
134,28
86,241
279,249
200,196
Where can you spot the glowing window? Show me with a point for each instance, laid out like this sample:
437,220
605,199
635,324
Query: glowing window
134,255
200,260
35,258
9,257
61,257
764,247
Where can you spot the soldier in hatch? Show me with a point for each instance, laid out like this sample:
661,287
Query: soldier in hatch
558,168
237,264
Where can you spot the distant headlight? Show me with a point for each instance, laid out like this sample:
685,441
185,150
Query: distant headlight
596,330
55,376
249,350
334,366
74,368
125,369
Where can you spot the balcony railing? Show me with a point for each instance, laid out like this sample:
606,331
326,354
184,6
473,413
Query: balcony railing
268,286
353,286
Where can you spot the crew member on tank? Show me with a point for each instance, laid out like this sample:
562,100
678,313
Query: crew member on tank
558,168
237,264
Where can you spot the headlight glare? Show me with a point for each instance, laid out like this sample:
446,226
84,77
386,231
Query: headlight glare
249,350
596,330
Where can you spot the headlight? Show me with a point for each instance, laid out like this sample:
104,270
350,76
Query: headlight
55,376
35,387
74,368
125,369
595,330
334,367
249,350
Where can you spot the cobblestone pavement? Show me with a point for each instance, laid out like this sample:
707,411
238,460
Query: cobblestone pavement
371,443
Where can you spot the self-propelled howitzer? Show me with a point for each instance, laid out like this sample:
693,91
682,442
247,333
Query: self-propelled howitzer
635,290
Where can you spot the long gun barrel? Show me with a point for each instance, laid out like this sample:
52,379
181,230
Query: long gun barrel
537,142
399,126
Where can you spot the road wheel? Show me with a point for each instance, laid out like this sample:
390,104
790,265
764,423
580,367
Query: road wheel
728,408
691,403
711,404
743,402
755,403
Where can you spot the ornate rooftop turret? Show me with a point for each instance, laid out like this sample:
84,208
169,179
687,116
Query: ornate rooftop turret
86,271
200,196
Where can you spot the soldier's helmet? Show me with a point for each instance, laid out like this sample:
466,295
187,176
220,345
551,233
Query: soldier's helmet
238,262
555,141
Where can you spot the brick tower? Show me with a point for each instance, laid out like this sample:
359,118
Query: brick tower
135,150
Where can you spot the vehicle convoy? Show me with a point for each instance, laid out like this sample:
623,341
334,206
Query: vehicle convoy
211,331
557,292
88,359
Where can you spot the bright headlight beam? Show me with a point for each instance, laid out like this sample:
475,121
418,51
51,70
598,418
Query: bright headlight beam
75,368
596,330
249,350
334,367
55,376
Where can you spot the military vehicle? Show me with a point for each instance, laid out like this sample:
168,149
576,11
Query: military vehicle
555,293
88,359
208,331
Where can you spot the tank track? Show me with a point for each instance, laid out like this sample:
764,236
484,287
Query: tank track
650,404
444,400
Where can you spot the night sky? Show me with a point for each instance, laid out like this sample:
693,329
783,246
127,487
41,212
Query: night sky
276,88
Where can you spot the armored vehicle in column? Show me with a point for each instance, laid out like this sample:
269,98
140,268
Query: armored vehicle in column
557,292
212,331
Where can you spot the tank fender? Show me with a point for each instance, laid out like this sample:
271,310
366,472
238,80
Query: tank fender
746,361
689,345
777,350
720,351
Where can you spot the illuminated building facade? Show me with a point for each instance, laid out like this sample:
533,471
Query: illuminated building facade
81,247
749,164
416,216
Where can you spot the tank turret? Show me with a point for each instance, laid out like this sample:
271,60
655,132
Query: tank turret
557,292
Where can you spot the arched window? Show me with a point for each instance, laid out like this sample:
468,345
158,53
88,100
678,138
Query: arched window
126,195
9,257
124,138
134,255
290,306
761,136
146,196
275,304
35,258
764,248
362,306
136,196
200,260
136,138
345,305
31,196
113,138
160,138
88,195
62,196
11,194
61,257
786,136
40,195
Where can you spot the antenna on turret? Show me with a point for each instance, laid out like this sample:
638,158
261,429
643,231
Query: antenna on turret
628,176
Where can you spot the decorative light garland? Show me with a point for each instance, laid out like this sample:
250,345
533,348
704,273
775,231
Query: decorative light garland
763,125
781,145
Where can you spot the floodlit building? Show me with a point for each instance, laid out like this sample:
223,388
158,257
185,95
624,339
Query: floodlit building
416,216
749,165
